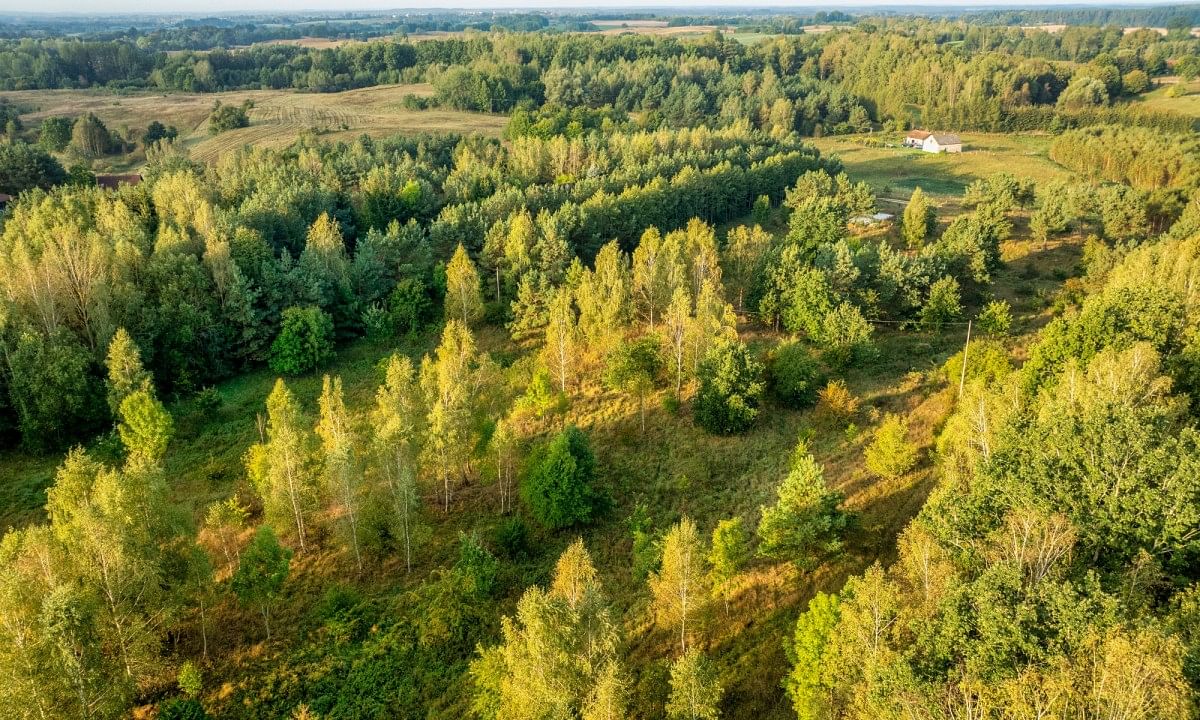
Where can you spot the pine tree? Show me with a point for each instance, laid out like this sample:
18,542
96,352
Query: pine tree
145,428
805,523
808,684
343,471
680,585
464,300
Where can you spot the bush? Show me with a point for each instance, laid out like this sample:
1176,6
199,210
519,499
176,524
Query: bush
794,375
410,306
557,483
24,166
182,709
228,117
836,402
890,454
942,305
986,359
512,538
305,341
995,319
730,389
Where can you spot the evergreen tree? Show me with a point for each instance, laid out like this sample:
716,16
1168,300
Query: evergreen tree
919,220
805,524
729,552
125,372
890,454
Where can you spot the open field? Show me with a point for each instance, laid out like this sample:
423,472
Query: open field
895,171
1158,100
277,119
661,30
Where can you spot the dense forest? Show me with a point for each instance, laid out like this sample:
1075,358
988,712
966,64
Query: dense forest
641,408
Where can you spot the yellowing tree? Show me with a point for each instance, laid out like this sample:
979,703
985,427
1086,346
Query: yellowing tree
559,352
343,471
281,467
397,419
680,586
464,300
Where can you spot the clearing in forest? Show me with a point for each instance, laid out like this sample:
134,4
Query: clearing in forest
276,120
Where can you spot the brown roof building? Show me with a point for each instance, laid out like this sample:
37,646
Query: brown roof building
112,182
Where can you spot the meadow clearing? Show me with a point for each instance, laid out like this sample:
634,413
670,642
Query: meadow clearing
276,120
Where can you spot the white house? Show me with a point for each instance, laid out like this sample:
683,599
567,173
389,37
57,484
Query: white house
933,142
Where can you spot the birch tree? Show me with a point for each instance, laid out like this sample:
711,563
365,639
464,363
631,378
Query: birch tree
680,587
343,470
397,419
281,467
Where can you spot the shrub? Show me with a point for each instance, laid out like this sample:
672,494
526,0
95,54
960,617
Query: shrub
305,341
557,483
836,402
942,305
890,454
730,389
25,166
228,117
986,359
846,336
410,306
995,319
512,538
182,709
191,682
794,374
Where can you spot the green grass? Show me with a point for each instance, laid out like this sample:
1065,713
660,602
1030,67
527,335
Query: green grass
1158,100
895,171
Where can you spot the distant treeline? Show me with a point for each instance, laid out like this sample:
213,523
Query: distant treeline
1163,16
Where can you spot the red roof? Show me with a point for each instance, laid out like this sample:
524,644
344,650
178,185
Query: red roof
918,134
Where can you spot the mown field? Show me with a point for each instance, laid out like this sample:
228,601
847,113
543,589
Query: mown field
277,119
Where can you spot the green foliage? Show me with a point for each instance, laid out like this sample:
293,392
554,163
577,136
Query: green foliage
476,566
995,319
261,573
730,389
634,367
890,454
557,483
809,683
805,524
794,375
182,709
91,138
919,220
695,689
986,360
24,166
54,134
846,336
145,428
304,343
410,306
228,117
729,552
190,681
50,388
942,304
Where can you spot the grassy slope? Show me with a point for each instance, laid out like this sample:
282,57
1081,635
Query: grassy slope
1186,105
672,468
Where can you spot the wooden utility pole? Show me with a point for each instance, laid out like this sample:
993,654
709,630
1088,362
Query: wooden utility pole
962,378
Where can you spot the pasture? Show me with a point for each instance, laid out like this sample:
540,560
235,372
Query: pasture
1159,100
276,120
894,171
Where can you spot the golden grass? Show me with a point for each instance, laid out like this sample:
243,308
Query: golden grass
277,119
1159,101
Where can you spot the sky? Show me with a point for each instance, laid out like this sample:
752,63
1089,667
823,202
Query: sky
216,7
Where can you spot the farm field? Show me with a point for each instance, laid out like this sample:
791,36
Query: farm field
276,120
895,171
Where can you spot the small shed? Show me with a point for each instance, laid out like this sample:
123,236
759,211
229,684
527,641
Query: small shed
915,138
942,142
